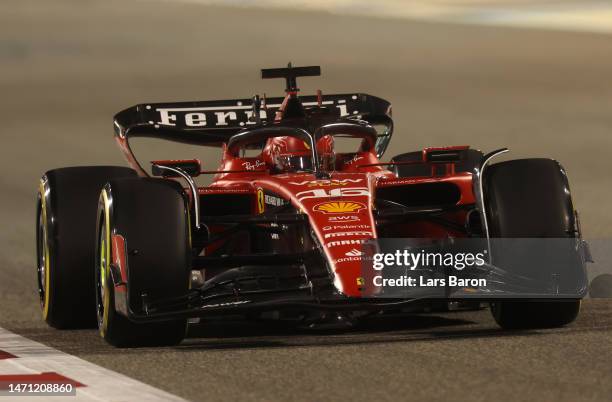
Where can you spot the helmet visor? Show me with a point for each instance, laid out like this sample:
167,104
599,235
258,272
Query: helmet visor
287,163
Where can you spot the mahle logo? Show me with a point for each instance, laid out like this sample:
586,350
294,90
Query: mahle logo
345,242
339,207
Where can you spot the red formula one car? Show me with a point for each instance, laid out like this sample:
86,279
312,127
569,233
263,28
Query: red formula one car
283,229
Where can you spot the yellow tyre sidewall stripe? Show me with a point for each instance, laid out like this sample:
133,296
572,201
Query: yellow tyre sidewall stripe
106,249
43,207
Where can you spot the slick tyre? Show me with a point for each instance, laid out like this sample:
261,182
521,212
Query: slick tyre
535,314
146,221
530,198
65,238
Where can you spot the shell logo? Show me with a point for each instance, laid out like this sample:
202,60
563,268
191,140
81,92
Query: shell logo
339,207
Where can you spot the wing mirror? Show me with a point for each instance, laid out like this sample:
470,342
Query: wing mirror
174,168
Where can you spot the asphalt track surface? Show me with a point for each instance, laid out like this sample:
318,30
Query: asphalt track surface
68,66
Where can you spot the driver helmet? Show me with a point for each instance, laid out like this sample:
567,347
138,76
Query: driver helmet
290,154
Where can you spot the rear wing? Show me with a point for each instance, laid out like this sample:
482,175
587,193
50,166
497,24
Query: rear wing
212,123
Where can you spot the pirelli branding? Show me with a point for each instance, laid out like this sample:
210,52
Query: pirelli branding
347,234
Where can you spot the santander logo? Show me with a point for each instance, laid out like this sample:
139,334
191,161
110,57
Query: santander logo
354,253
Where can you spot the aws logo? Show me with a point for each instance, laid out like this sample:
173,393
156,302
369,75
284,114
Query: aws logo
339,207
343,218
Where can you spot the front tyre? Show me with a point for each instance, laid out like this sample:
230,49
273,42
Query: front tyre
150,218
535,314
530,198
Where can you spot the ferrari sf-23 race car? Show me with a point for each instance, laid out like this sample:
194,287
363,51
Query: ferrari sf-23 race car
283,226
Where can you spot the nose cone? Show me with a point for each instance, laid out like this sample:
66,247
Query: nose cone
341,216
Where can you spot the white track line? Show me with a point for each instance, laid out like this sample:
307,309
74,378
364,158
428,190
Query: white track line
587,15
100,384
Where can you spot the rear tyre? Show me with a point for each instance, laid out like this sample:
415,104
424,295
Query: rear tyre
151,216
537,314
65,235
601,287
530,198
